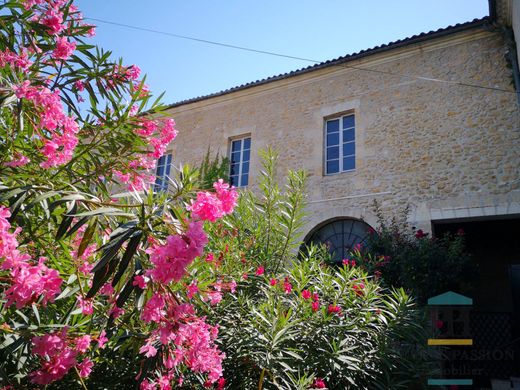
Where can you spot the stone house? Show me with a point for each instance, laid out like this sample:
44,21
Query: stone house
431,122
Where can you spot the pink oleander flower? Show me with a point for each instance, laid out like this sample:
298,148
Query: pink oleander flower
207,207
102,339
210,207
171,259
60,129
79,85
192,289
154,309
133,72
56,357
214,297
19,161
86,305
306,294
315,306
260,271
107,289
116,312
333,309
47,345
147,385
232,286
53,20
28,282
227,196
148,350
83,343
273,282
64,49
287,286
85,367
139,281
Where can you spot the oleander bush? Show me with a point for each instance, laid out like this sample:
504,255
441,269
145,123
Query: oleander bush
106,284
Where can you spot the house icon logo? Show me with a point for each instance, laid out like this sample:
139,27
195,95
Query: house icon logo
450,319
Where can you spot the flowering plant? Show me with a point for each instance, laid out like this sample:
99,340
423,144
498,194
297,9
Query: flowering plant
83,270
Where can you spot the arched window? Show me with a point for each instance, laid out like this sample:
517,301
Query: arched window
340,235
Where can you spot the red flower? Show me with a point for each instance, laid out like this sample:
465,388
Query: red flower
420,234
315,297
334,309
358,288
273,282
461,232
319,384
439,324
315,306
287,287
221,383
306,294
260,271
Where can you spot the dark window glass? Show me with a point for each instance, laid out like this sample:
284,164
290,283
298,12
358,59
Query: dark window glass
244,180
233,180
333,153
333,166
234,169
348,121
333,126
340,237
245,155
349,163
349,135
332,139
349,149
247,143
245,167
235,146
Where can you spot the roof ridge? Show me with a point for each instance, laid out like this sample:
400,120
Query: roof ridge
346,58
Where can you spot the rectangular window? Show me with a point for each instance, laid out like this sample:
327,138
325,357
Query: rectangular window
162,173
340,144
240,154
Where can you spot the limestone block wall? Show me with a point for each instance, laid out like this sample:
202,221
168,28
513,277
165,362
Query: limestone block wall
446,150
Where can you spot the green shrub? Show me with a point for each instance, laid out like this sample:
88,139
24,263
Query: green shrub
422,265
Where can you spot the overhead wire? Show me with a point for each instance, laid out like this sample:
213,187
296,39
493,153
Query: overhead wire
266,52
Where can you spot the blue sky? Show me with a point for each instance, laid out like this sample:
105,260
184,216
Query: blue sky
315,29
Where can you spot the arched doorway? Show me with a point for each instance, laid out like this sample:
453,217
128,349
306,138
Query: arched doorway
340,235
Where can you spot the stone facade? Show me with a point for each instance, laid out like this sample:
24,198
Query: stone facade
444,149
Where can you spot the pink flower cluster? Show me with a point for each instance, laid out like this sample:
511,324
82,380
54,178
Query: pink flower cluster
60,129
211,206
171,259
186,339
28,282
157,133
64,49
15,60
58,354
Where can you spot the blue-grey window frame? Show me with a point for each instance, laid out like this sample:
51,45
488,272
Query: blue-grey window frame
243,170
162,178
341,143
